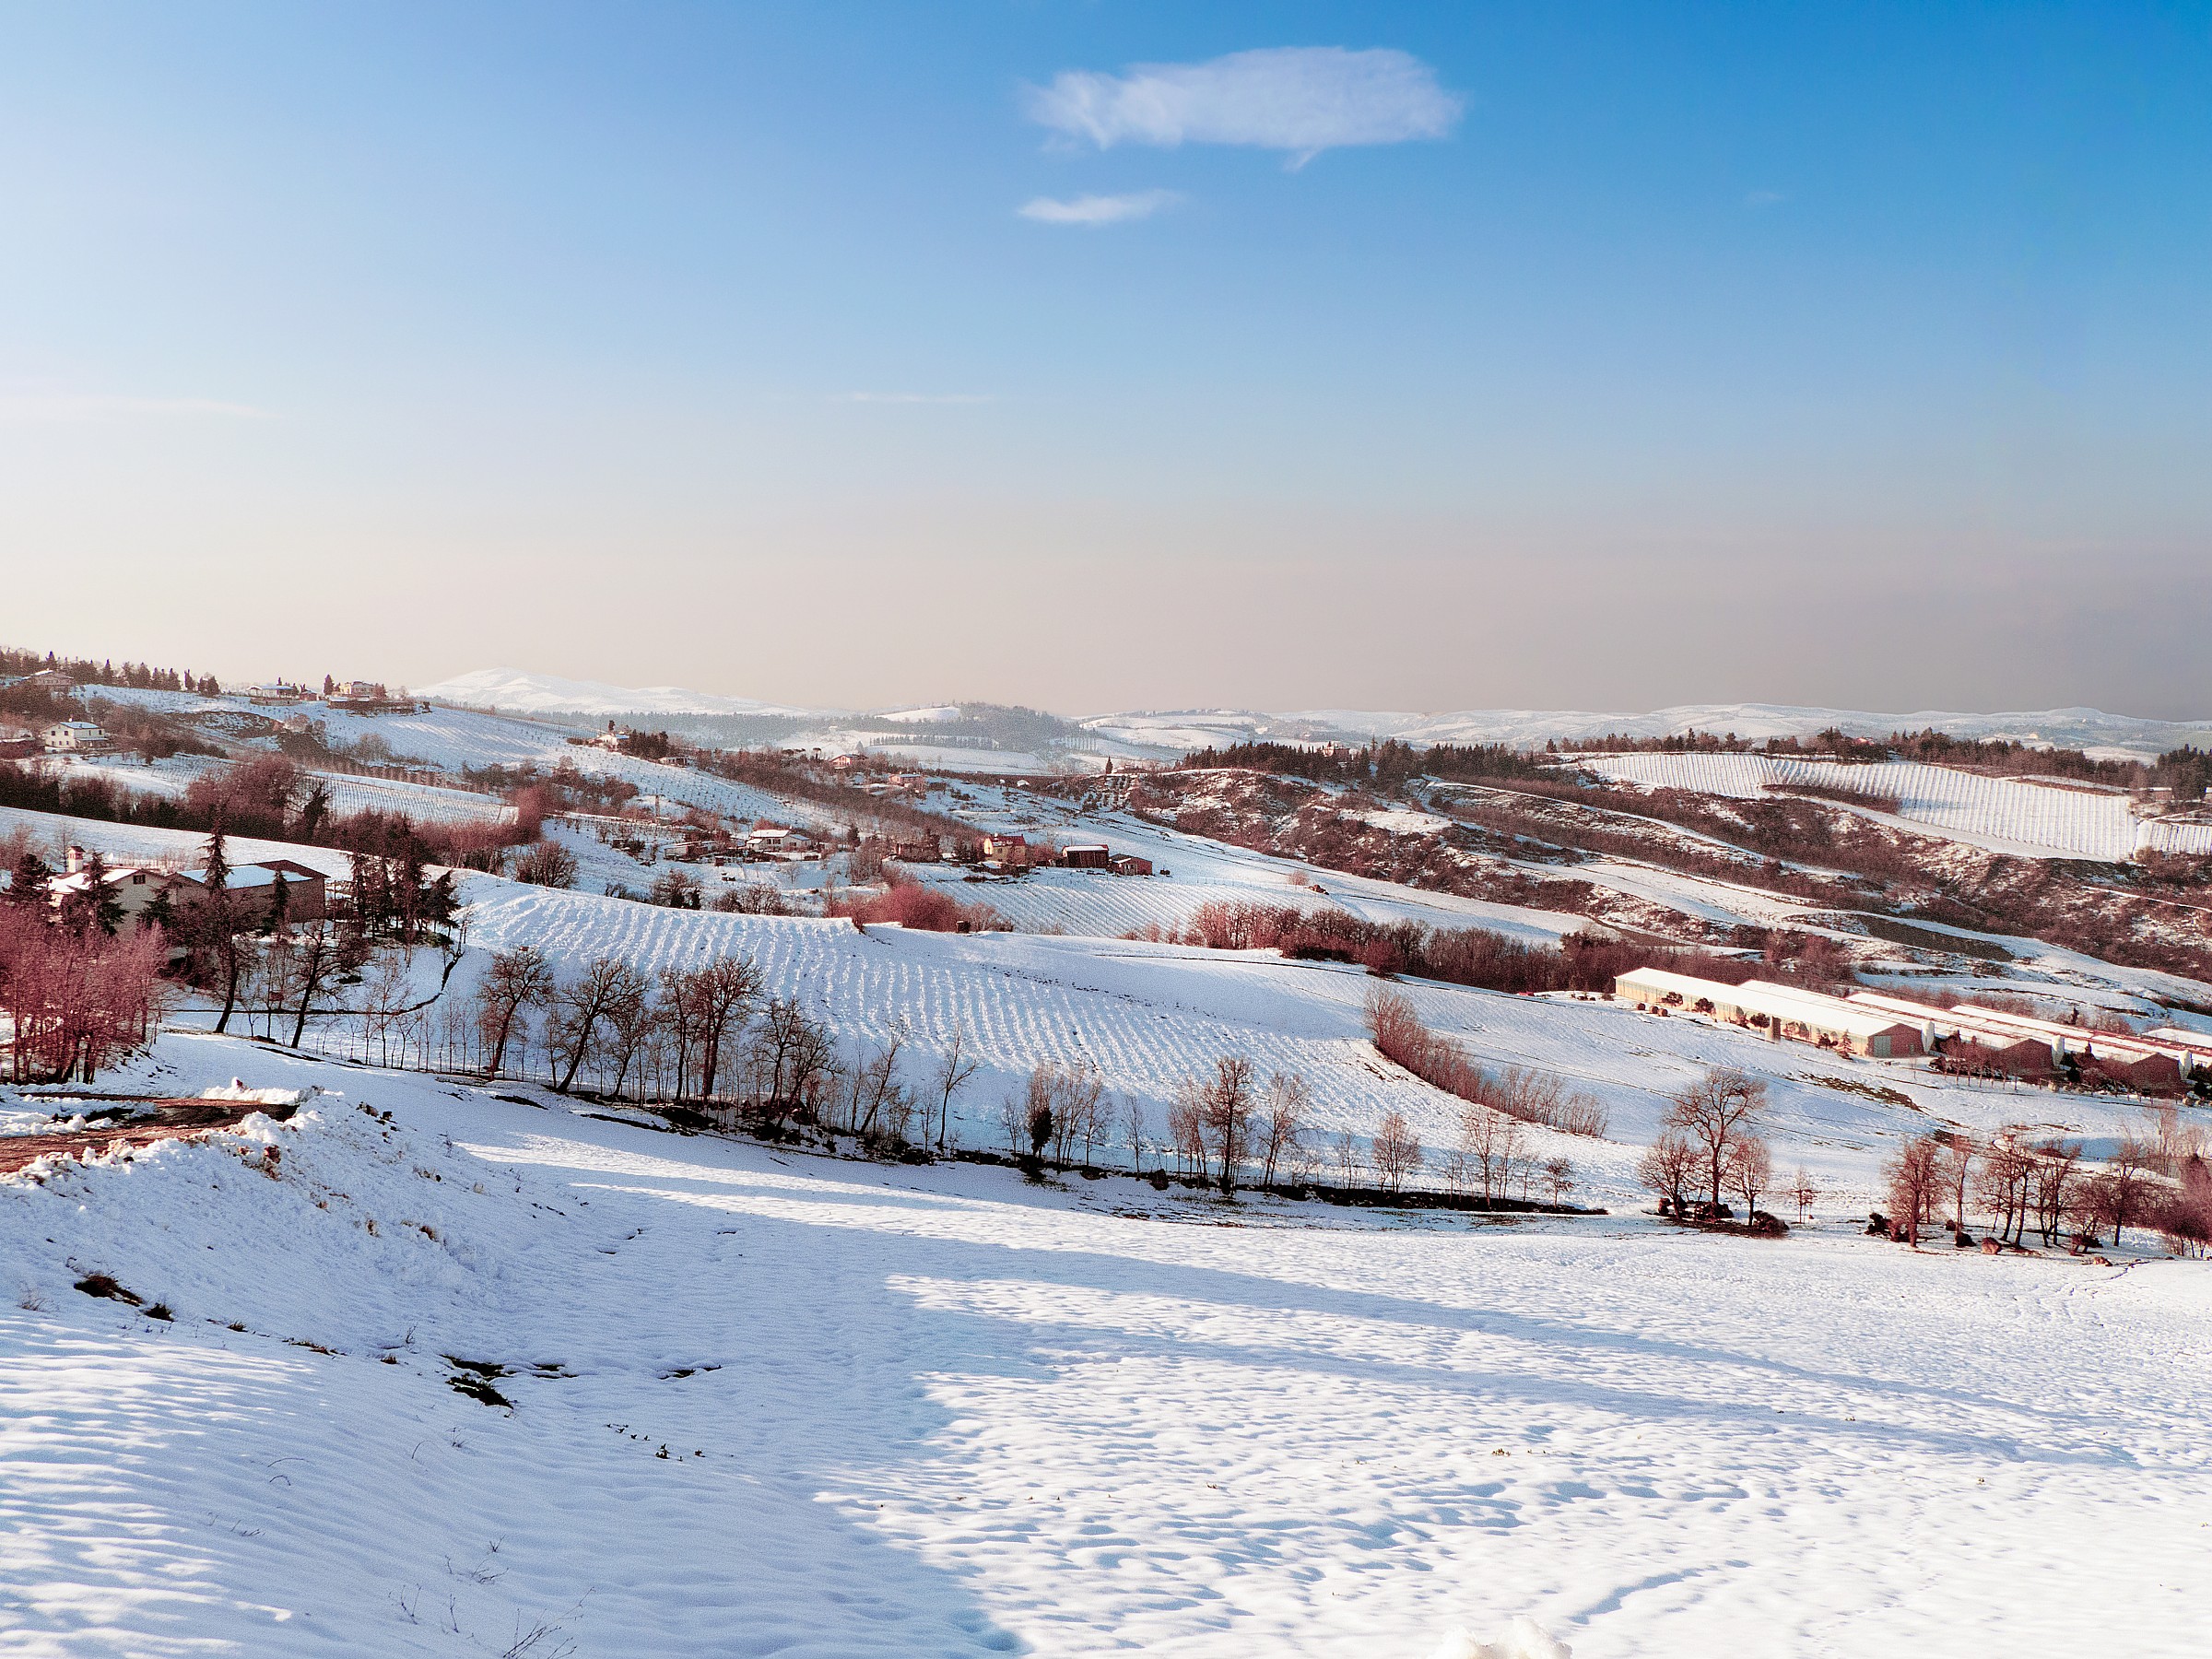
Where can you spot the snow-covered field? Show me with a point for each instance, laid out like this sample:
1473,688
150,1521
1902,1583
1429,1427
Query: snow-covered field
1199,870
2005,815
1148,1016
765,1403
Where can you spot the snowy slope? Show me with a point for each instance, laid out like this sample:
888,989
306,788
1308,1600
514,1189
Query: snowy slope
2004,814
910,1412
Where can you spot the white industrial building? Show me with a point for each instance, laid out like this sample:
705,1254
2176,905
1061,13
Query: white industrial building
1779,1010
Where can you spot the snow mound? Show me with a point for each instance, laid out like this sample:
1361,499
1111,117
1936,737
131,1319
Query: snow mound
237,1090
1523,1639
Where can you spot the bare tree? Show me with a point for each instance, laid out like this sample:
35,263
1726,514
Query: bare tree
1958,1169
2007,1171
1713,1114
876,1094
792,1056
1558,1178
1397,1150
2123,1191
1227,1109
591,1011
2056,1163
632,1020
1804,1192
1186,1126
1346,1157
1085,1106
1136,1125
1490,1142
517,979
1912,1177
1288,1100
1668,1166
707,1008
1750,1170
384,1000
955,1066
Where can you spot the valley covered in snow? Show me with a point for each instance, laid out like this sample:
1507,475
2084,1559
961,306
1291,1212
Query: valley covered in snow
450,1363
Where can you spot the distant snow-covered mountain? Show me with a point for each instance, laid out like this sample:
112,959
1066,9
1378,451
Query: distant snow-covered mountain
1159,733
520,691
2089,729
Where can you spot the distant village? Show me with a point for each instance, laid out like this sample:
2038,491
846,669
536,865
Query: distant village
87,738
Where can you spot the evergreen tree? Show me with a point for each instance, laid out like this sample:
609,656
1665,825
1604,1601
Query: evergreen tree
27,881
217,923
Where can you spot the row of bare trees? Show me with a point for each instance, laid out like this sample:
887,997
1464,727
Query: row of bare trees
76,999
1493,1159
1532,1097
2023,1183
705,1035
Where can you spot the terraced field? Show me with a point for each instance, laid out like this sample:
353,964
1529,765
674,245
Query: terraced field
2004,814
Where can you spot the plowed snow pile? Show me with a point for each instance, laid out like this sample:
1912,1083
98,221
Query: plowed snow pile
764,1403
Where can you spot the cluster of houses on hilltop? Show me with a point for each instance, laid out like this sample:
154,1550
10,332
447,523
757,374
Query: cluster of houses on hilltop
1014,851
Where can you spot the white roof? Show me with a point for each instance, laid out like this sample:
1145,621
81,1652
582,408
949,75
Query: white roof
2022,1027
254,876
1763,996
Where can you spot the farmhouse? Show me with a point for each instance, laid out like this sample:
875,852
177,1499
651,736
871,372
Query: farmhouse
367,697
1779,1010
1129,864
1092,857
135,888
770,838
1008,849
75,737
18,746
253,889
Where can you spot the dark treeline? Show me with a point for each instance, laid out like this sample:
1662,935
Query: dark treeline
85,671
2185,770
1466,761
1386,765
1288,759
1459,956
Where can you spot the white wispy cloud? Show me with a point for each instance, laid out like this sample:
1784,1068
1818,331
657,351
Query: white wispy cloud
40,405
1302,100
1765,198
1098,209
914,398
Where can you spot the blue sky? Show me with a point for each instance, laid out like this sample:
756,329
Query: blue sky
1649,354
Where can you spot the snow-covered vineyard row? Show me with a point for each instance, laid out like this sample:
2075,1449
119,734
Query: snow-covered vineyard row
1146,1016
2006,813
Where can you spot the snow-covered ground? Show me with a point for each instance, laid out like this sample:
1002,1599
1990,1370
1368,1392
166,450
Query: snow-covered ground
766,1403
1197,870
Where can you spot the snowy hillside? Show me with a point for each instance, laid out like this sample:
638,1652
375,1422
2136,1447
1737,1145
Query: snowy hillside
2004,814
444,1375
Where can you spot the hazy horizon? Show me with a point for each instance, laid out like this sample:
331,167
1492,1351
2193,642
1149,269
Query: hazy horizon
1106,358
